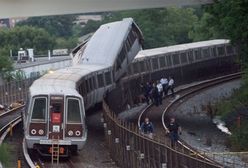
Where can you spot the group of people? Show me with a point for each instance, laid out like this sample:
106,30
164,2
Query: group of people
157,90
173,129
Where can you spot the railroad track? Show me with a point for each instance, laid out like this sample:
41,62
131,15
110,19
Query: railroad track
8,120
157,114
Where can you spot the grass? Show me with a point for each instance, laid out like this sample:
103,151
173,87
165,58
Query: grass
4,154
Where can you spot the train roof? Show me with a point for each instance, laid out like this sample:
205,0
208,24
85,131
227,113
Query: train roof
105,44
180,47
62,81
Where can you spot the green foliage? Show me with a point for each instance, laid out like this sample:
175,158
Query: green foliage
5,155
66,43
225,19
238,99
203,31
25,37
239,138
160,27
16,75
91,26
229,106
60,26
5,61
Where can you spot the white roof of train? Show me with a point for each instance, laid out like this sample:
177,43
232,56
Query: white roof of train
180,47
62,81
105,44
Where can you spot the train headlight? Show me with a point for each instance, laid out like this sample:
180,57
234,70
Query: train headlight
70,133
41,131
78,133
33,131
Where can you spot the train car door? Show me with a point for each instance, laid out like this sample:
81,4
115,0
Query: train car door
56,117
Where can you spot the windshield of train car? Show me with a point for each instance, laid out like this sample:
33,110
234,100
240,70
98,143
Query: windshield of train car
73,111
39,108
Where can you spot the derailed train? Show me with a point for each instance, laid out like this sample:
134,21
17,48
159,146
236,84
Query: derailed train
57,104
57,101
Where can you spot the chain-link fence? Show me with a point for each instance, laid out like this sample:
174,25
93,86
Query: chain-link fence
15,91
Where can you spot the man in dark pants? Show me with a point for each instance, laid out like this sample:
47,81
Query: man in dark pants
148,89
173,129
147,128
171,85
155,94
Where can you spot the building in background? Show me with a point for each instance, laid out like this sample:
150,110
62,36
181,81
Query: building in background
83,19
11,22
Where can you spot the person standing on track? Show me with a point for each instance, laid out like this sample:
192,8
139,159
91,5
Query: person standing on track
148,89
155,94
171,85
164,83
147,127
173,129
160,92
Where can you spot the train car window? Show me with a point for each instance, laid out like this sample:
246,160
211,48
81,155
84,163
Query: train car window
168,59
94,82
214,52
142,66
73,111
183,58
197,54
221,51
120,58
91,84
132,35
135,67
190,56
108,78
39,108
205,53
129,69
162,62
229,49
100,80
127,45
84,87
87,85
175,58
155,63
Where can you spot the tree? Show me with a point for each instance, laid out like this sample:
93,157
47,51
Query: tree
60,26
225,19
5,61
68,43
26,37
204,30
160,27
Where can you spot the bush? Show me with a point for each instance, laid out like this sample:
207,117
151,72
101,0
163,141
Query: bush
229,109
239,140
4,156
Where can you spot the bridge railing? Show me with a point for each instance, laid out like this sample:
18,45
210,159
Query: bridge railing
129,148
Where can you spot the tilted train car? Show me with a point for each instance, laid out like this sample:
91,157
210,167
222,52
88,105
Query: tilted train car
185,61
57,101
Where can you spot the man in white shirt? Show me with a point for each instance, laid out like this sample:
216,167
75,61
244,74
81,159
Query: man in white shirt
160,92
164,83
171,85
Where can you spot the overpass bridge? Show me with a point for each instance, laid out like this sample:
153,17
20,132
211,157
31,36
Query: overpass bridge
58,7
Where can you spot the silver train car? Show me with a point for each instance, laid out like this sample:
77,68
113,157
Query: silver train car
57,101
187,58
